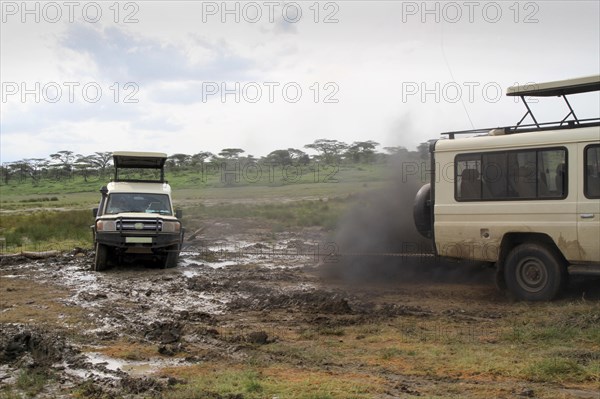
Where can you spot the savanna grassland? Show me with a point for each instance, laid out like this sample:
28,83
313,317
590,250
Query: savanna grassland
260,307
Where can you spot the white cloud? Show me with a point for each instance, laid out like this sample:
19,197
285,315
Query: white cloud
370,56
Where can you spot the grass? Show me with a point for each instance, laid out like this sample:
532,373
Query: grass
272,381
57,214
324,213
29,383
47,228
557,370
16,202
437,347
254,175
32,381
63,230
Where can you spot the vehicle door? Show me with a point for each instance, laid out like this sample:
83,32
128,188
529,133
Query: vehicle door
588,204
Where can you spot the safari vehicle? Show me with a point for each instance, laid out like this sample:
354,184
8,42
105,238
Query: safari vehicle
525,198
135,215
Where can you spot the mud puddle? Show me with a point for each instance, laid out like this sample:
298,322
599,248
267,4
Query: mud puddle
229,298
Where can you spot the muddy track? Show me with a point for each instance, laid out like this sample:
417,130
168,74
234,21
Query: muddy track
221,305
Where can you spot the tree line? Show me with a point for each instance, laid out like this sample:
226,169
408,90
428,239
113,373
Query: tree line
66,164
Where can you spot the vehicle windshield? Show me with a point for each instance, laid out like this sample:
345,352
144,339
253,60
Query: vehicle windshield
138,202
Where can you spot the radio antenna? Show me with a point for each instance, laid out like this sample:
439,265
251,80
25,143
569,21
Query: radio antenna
462,101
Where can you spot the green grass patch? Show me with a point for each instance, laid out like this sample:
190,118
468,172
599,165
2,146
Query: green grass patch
46,229
323,213
269,382
556,369
231,382
31,381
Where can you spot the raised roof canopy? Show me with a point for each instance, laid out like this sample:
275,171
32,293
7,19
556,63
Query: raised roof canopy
557,88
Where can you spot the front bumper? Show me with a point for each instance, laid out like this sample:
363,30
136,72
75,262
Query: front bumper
127,240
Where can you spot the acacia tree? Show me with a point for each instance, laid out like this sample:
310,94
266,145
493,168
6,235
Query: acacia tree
329,151
101,160
5,172
286,157
279,157
36,165
83,164
231,153
20,168
63,161
199,158
396,150
178,161
362,151
299,156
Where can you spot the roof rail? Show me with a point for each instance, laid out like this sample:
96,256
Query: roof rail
497,131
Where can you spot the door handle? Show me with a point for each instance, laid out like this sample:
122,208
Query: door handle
587,216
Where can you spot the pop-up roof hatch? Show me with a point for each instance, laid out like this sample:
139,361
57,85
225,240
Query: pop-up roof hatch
139,160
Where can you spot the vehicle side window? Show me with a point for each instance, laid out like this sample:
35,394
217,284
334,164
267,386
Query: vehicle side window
592,171
511,175
467,179
553,172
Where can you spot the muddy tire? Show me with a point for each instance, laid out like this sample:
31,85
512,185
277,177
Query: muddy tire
101,258
534,273
171,257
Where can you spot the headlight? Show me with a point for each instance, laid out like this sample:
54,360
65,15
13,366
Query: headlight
106,225
171,227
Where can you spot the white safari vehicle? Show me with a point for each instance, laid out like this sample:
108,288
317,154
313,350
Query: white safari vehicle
524,197
136,215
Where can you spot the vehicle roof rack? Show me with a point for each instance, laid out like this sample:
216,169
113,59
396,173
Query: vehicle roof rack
498,131
139,160
559,88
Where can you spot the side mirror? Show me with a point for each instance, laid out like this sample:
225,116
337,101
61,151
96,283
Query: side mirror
178,213
95,212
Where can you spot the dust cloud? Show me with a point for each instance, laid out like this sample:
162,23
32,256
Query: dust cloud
378,242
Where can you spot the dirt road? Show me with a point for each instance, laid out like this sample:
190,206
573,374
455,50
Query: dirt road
262,314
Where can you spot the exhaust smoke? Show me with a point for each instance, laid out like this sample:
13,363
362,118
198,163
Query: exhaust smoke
378,241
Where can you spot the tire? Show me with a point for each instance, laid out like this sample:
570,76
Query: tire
171,257
534,273
422,211
101,258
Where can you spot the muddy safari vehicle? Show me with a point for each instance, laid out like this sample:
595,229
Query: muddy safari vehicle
525,198
135,215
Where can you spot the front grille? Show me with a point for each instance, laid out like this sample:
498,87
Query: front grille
139,225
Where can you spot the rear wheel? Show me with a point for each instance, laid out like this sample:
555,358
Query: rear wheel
534,273
171,257
101,258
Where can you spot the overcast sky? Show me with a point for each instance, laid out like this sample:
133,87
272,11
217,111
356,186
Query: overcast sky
185,77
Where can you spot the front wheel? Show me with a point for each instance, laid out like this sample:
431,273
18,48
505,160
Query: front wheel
101,258
171,257
534,273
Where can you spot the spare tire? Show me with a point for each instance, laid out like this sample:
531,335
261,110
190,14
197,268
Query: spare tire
422,211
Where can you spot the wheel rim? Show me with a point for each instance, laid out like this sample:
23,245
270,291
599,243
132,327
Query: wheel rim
531,274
